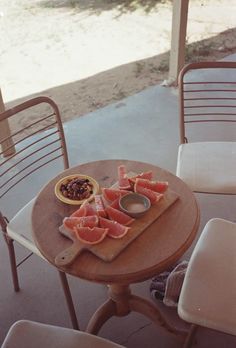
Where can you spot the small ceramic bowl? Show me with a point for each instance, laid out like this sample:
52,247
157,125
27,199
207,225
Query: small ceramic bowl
134,204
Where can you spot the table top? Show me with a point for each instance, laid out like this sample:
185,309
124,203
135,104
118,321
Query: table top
158,247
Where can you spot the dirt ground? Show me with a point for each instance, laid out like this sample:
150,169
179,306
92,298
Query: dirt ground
86,54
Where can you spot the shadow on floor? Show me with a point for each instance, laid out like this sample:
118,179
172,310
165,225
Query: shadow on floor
98,6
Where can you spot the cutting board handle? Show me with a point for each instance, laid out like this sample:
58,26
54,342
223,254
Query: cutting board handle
67,256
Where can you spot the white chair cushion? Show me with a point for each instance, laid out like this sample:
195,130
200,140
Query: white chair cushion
28,334
19,228
208,166
208,295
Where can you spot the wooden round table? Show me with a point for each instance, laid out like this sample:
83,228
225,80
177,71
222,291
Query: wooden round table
162,244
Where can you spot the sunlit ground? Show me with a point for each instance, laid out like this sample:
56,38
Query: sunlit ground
51,43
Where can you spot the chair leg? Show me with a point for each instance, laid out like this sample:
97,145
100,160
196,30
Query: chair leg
12,257
190,336
69,300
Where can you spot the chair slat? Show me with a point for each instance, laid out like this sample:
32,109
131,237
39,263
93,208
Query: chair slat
40,142
32,171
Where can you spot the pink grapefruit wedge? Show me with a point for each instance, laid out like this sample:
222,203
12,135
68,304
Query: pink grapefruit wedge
93,235
119,216
145,175
115,230
82,221
157,186
99,205
115,204
111,194
152,195
86,209
123,181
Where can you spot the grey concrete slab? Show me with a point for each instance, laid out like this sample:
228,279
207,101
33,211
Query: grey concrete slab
142,127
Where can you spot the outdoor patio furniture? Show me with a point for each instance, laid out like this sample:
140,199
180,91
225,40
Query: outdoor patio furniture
38,144
207,152
27,334
207,297
154,242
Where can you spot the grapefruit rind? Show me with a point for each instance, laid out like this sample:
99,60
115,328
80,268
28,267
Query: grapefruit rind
86,209
152,195
123,181
145,175
111,194
99,205
119,216
157,186
84,221
115,204
90,235
115,229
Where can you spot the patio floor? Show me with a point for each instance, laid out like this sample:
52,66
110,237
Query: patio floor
142,127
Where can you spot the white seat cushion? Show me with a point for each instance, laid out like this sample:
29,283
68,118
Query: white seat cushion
19,228
28,334
208,166
208,295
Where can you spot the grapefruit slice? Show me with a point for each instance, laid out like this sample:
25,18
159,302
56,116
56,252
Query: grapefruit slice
82,221
115,204
115,230
85,209
123,181
157,186
88,221
91,235
99,205
145,175
119,216
152,195
111,194
70,222
79,212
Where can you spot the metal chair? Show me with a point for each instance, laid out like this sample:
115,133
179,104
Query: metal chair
207,296
39,143
28,334
207,93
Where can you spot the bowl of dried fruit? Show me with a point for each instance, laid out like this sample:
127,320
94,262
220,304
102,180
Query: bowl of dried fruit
75,189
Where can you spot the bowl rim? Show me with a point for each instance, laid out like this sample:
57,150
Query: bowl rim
66,200
145,198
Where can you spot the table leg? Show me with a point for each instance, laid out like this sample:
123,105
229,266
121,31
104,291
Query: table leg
145,307
102,314
121,303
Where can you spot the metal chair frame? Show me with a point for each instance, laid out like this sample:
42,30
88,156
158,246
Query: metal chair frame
190,107
22,163
206,100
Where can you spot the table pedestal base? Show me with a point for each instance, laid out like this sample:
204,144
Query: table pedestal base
121,303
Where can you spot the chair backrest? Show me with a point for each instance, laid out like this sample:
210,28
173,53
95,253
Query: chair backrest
39,140
27,333
207,96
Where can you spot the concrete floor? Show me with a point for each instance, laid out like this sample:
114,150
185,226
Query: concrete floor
143,127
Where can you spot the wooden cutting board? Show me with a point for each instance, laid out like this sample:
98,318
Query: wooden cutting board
110,248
